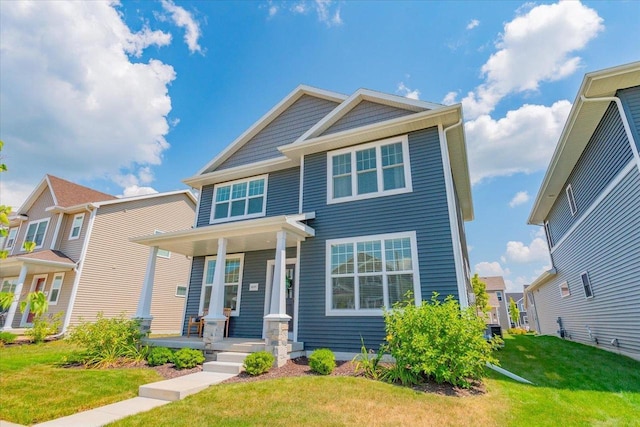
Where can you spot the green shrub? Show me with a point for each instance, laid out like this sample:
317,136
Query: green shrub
187,358
258,363
108,342
322,361
368,363
517,331
6,338
437,340
159,356
43,326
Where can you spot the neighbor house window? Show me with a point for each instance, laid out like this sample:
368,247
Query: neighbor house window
499,295
232,282
181,291
369,170
56,285
36,232
547,232
162,253
572,200
76,226
366,274
239,199
11,237
564,289
586,283
9,285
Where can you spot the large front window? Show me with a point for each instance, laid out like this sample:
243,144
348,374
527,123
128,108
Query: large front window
232,283
239,199
369,170
369,273
36,232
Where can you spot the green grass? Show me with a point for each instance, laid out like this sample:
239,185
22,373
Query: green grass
575,385
34,389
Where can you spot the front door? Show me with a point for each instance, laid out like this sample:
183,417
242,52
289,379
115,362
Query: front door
290,292
37,285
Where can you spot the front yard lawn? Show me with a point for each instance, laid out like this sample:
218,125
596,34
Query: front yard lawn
33,389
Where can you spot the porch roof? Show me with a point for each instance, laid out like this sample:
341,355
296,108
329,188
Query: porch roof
250,235
37,263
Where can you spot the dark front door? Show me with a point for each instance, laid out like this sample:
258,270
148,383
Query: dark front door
289,297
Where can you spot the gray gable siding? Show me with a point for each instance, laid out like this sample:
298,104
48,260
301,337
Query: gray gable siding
607,246
366,113
285,129
631,101
282,195
606,154
424,210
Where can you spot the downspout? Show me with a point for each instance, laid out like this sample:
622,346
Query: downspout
79,266
625,122
453,223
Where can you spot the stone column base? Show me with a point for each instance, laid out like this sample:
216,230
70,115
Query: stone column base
276,342
213,332
144,325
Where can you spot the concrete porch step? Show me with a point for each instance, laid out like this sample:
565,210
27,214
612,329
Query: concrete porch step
179,388
233,368
229,356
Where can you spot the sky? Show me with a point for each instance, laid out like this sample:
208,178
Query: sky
132,97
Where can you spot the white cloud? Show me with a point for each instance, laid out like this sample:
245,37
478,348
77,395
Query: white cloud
472,24
327,11
450,98
535,47
137,42
520,198
491,269
536,251
134,190
523,141
184,19
14,193
406,92
72,103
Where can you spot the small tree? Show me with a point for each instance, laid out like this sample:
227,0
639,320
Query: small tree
480,291
4,213
514,312
37,303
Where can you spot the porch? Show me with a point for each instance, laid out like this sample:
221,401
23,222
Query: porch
236,345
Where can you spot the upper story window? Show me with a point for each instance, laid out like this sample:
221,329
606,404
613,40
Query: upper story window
246,198
11,238
76,227
375,169
586,283
572,201
547,232
499,295
36,232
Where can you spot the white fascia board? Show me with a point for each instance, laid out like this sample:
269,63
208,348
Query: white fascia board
34,195
242,171
579,127
541,280
271,115
145,196
55,199
71,209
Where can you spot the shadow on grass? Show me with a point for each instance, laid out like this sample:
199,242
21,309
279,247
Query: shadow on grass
553,362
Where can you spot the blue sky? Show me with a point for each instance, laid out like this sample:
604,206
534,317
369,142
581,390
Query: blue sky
133,97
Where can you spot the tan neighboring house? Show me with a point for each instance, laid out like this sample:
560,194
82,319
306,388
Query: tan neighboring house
83,260
497,301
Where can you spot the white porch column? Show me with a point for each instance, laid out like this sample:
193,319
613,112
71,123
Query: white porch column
16,298
215,319
143,313
277,319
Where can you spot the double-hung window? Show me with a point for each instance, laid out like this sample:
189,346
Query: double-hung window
9,285
76,226
366,274
36,232
369,170
246,198
232,283
586,284
11,238
572,200
56,285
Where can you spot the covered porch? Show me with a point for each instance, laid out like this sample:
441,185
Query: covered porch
218,241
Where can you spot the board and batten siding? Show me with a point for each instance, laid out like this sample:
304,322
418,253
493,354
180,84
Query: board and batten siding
284,129
606,154
424,210
249,323
282,196
606,245
114,267
366,113
630,98
36,212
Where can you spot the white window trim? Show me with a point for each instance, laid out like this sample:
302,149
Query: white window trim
13,283
186,291
235,312
162,253
15,237
547,232
61,275
499,296
238,217
586,273
573,207
417,292
404,139
44,235
568,289
71,236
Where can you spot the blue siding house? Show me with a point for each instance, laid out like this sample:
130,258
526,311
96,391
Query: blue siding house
327,210
589,205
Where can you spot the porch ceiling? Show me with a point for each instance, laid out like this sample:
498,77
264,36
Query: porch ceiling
242,236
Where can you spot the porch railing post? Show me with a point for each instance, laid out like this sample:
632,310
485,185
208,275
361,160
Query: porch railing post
16,298
143,312
215,319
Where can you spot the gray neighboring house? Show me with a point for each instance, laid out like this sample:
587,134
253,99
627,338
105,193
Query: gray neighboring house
589,206
518,298
496,289
323,213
